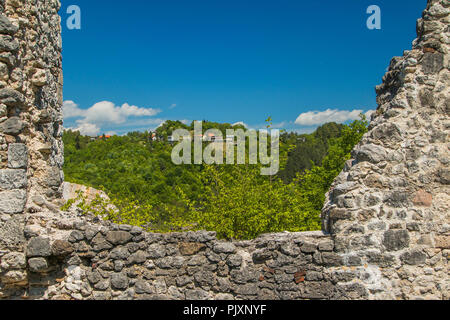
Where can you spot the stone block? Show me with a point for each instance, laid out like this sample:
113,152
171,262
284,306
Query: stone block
13,179
119,281
6,27
414,257
442,242
39,247
13,201
12,126
61,248
17,156
38,265
432,62
11,97
190,248
396,239
118,237
224,247
423,198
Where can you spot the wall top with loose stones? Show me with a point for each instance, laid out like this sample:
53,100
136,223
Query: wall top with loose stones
73,258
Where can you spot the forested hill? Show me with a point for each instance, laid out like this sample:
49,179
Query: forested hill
310,149
136,170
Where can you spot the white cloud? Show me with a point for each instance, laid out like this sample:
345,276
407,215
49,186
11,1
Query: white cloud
90,121
321,117
87,129
106,112
71,110
173,106
240,123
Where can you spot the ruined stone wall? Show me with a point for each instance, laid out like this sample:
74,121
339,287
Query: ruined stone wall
389,209
386,218
123,262
30,122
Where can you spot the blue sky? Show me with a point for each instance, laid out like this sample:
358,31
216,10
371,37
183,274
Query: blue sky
137,63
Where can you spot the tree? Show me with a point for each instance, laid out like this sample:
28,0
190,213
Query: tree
235,200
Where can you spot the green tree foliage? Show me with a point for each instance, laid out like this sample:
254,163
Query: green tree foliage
239,204
235,200
309,150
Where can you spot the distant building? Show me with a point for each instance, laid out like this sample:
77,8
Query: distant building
105,136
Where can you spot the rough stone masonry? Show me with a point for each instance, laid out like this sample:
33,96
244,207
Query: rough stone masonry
386,231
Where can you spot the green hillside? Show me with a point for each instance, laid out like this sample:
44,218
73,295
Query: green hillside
234,200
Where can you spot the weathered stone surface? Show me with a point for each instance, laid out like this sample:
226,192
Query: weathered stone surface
17,156
6,26
224,247
138,257
119,281
371,153
261,256
190,248
309,247
118,237
12,126
8,43
156,251
197,294
39,247
15,277
397,199
234,261
396,239
94,277
142,287
11,97
13,179
76,236
292,250
432,63
331,259
326,245
344,188
423,198
414,257
119,253
13,260
12,201
99,243
38,265
443,242
61,248
339,214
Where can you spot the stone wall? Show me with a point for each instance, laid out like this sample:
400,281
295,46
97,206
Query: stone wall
386,231
389,209
31,150
123,262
